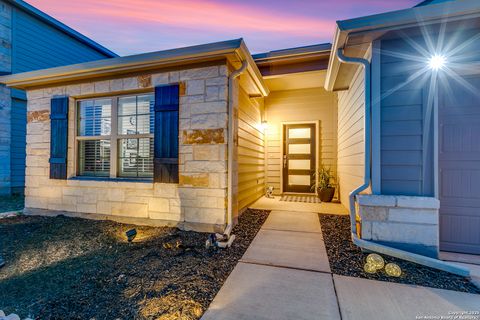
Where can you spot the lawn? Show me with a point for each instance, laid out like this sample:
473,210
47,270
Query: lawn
70,268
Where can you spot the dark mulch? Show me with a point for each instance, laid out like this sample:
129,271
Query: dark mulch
348,260
11,203
68,268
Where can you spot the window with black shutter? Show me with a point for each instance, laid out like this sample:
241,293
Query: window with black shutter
166,134
58,138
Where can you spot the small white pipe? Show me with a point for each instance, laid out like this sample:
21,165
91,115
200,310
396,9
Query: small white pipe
367,134
231,140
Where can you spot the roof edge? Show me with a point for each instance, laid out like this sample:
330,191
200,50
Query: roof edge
62,27
296,52
138,62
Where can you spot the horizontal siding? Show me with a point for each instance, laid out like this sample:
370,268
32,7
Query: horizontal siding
37,45
313,104
251,150
402,120
18,140
351,146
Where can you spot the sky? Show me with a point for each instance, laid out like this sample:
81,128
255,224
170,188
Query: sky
137,26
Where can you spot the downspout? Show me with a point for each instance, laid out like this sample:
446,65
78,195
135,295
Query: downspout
369,245
226,239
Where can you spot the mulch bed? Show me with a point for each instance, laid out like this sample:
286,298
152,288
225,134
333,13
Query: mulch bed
11,203
69,268
348,260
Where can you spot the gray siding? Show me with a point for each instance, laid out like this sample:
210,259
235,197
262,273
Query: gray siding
5,101
17,146
37,45
29,44
405,152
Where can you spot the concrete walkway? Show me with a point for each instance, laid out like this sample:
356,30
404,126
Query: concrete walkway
285,274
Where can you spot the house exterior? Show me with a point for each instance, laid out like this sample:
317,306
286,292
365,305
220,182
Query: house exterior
31,40
192,136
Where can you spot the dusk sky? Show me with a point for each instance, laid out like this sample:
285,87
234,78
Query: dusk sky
137,26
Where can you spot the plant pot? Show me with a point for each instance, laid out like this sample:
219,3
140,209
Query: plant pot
326,194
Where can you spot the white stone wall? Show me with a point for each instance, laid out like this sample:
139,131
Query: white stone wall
5,99
197,202
412,221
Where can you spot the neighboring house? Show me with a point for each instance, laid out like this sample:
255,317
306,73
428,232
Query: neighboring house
191,136
30,40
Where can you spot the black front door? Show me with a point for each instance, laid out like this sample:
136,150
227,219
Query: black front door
298,157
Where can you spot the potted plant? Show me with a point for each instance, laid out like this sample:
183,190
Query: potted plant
325,188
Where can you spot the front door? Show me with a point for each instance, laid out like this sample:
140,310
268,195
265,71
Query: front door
459,166
298,157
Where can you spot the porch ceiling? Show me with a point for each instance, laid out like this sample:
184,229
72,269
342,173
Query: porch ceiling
293,81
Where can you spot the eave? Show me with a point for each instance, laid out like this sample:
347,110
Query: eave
356,35
233,50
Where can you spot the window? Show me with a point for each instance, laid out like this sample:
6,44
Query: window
115,136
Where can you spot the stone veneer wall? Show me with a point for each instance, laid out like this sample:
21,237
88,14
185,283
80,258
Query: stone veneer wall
409,223
197,202
5,96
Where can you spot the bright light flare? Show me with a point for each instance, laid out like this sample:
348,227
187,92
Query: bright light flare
437,62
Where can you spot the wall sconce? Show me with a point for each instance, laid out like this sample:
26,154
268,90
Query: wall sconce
437,62
264,125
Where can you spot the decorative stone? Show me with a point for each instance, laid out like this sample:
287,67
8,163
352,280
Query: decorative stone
145,81
393,270
203,136
38,116
194,180
182,88
376,260
369,268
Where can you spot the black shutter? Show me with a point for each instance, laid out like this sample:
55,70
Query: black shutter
166,134
58,138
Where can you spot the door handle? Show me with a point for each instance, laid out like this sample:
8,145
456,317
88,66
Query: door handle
284,161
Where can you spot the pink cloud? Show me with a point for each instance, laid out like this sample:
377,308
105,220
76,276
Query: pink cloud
143,25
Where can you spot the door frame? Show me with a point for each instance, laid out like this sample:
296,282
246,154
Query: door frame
317,149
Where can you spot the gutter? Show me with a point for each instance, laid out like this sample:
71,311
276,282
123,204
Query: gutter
226,239
370,245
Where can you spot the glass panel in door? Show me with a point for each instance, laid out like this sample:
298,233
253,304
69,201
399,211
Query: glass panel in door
298,158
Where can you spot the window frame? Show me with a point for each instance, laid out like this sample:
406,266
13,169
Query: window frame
114,136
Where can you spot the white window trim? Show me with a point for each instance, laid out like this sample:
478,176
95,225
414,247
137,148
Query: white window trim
114,137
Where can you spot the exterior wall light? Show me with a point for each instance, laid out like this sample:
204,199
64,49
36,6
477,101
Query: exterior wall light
369,268
131,234
437,62
264,125
376,260
393,270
